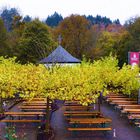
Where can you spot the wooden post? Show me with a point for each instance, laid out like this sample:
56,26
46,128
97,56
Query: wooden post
99,107
139,96
47,116
99,103
1,105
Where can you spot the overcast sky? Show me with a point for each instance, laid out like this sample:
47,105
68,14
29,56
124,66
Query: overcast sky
121,9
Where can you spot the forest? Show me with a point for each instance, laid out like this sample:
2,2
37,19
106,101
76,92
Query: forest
30,39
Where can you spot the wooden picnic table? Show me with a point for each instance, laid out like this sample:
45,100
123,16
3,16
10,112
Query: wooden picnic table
88,121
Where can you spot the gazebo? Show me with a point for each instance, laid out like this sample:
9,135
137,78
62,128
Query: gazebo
61,57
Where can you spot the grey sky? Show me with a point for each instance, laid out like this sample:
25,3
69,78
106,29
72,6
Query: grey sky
122,9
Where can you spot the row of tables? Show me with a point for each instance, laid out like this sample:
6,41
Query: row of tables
86,117
28,110
127,106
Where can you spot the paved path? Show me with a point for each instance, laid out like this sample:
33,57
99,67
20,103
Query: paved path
124,130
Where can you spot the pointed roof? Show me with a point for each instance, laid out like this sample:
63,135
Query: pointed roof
60,55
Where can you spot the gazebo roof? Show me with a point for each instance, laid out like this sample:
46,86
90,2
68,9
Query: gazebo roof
60,55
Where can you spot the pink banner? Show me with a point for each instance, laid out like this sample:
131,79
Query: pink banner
134,58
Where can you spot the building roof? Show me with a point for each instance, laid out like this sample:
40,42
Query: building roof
60,55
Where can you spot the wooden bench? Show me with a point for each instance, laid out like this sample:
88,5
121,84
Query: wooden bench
137,124
122,102
78,107
90,120
37,99
81,112
132,107
82,115
131,111
32,107
90,129
118,99
10,122
71,102
115,96
25,113
134,116
120,106
21,121
34,104
37,102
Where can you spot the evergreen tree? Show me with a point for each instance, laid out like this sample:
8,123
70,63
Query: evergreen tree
117,21
54,19
99,20
27,18
7,15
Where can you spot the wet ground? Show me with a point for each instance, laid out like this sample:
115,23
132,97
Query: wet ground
29,130
124,130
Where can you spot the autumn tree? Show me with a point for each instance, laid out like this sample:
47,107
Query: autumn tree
134,30
76,34
112,40
128,40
